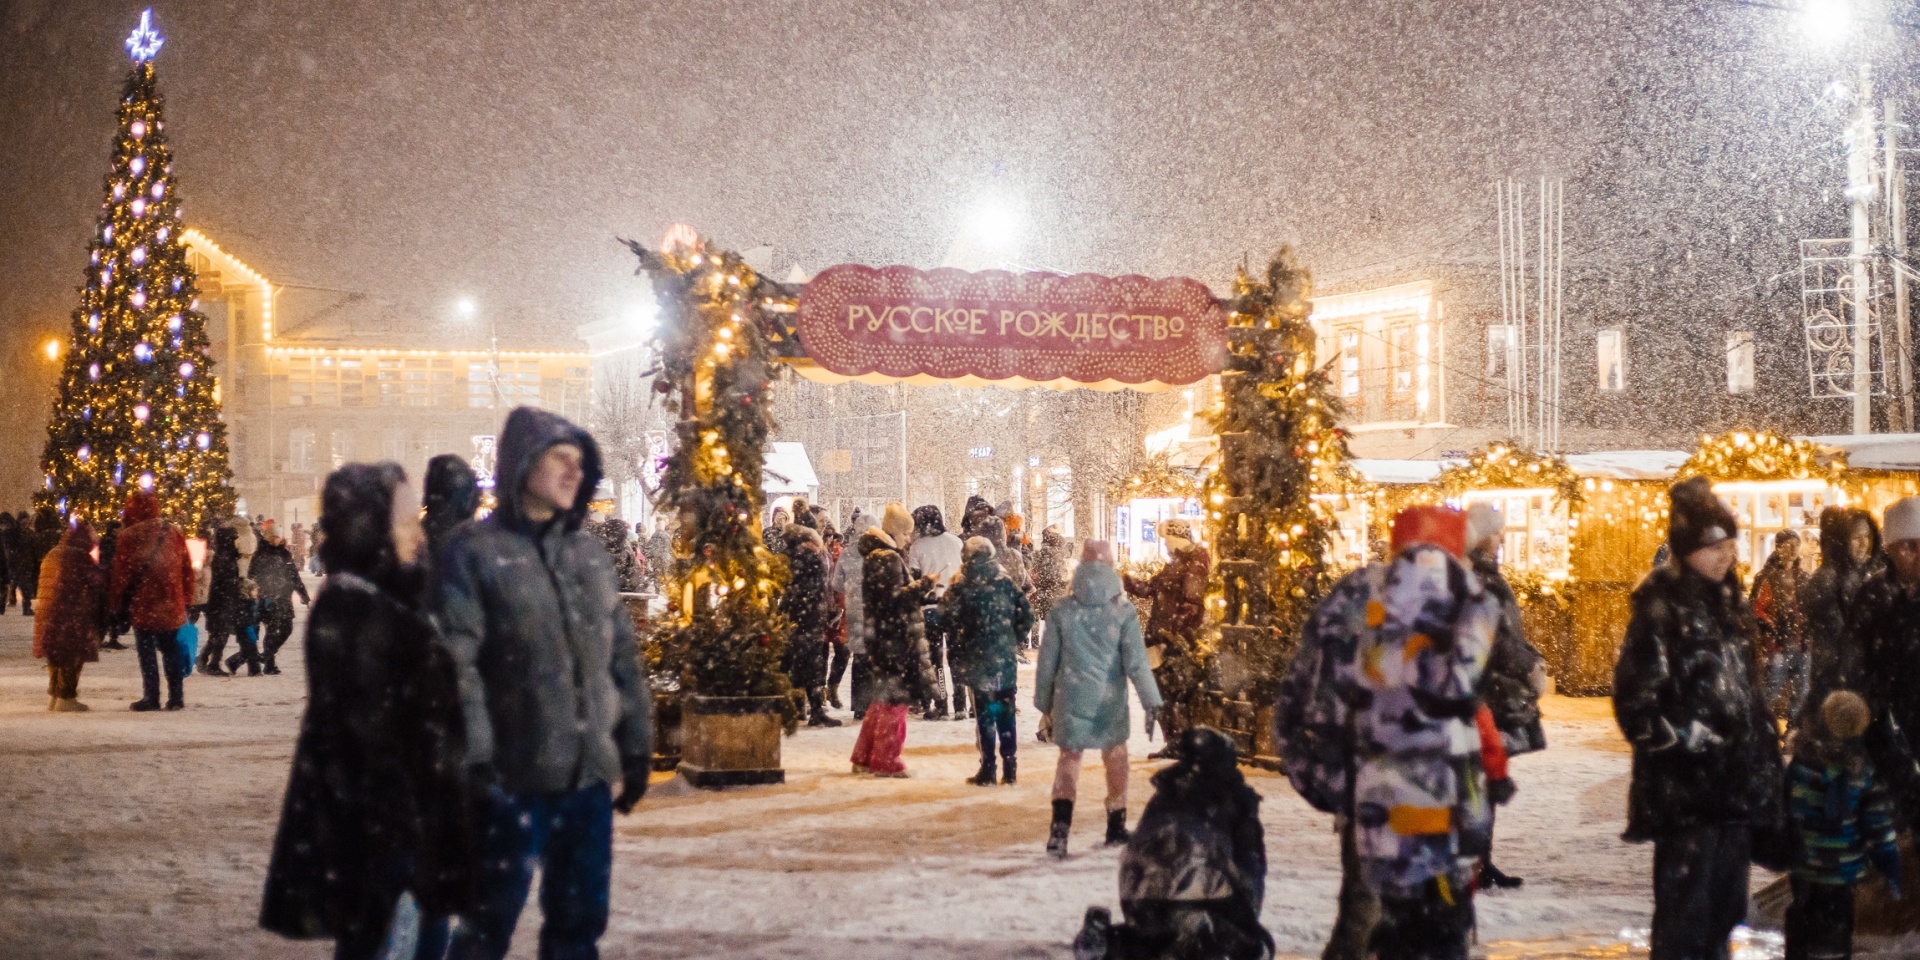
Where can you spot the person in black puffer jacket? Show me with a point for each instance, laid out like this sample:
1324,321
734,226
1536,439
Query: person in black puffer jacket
279,582
373,806
1194,874
1849,556
891,600
452,495
1706,754
804,605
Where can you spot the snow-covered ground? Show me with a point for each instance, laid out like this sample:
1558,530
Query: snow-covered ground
146,835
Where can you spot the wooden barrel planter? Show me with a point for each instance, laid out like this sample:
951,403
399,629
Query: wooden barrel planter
731,741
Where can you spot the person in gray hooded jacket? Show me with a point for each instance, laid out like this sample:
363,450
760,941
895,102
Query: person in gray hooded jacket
552,688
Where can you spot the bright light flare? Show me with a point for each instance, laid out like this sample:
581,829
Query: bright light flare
1826,23
996,222
52,349
465,307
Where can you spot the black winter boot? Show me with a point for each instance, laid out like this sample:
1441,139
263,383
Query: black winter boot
271,669
1062,825
1491,878
1117,828
1096,933
985,777
1007,771
210,657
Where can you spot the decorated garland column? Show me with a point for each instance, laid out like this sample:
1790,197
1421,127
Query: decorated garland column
1278,446
719,323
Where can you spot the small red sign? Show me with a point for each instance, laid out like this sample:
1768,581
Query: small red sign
901,322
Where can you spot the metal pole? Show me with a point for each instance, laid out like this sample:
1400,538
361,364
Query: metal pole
1540,319
493,332
1897,224
1859,192
1506,299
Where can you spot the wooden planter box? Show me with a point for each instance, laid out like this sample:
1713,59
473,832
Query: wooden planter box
730,741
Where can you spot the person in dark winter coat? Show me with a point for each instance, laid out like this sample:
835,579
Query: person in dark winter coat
1839,806
612,534
1706,753
72,617
1516,673
892,603
1194,874
1849,556
109,542
1884,619
374,805
1049,570
552,687
973,515
278,580
148,588
935,552
7,578
1783,627
452,495
35,541
1179,596
988,617
806,607
226,602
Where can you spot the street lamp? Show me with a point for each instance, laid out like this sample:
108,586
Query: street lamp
1825,22
52,349
467,308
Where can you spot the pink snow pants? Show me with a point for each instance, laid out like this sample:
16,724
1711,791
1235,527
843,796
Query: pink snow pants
1066,776
882,736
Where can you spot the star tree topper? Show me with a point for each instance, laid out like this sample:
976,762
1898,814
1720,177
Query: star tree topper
144,42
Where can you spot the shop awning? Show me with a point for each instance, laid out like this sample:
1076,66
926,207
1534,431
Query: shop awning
787,470
1876,451
1627,464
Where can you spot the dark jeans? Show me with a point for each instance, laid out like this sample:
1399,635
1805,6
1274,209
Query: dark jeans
1699,891
147,643
570,837
1820,921
1427,927
993,719
839,668
1359,910
278,624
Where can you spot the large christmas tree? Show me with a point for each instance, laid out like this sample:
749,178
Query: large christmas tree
138,406
1279,445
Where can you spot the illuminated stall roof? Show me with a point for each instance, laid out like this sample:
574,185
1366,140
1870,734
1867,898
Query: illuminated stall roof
1876,451
1627,464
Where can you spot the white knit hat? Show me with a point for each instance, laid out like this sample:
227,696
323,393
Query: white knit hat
1902,521
1483,521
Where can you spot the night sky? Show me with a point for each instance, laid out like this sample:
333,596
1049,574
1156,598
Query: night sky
420,152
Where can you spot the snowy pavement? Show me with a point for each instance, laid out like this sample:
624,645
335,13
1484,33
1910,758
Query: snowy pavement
146,835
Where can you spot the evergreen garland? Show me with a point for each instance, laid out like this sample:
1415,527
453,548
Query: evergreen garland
137,407
1278,445
720,324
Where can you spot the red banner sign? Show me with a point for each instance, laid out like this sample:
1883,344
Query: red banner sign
994,325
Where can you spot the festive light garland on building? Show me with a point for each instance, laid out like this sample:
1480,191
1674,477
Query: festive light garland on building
138,407
1158,478
717,331
1505,465
1762,455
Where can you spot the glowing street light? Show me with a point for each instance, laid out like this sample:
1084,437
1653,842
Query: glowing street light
466,308
52,349
1826,23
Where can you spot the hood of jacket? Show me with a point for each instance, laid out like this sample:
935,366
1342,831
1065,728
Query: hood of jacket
1095,582
141,507
79,536
528,434
452,492
897,523
1834,529
927,521
356,510
875,539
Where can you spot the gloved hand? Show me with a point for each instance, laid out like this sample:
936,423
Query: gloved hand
1501,791
633,786
1150,722
1697,737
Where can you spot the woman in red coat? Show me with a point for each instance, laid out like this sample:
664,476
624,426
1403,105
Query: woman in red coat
71,618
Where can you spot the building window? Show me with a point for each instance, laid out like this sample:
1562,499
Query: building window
1349,363
1501,347
1740,356
1613,360
300,450
1400,361
339,448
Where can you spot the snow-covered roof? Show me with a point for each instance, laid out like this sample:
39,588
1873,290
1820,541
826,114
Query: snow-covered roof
1627,464
1399,471
1877,451
787,470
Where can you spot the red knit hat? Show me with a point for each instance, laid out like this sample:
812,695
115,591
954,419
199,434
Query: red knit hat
1444,527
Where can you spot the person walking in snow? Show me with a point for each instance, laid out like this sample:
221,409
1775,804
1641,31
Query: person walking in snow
1849,556
892,601
8,579
805,606
66,633
373,805
152,578
36,540
277,576
1178,593
987,616
225,603
1782,632
1194,874
1516,674
936,553
553,691
1091,650
846,576
838,654
1376,724
1840,806
1706,753
1049,571
1884,620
